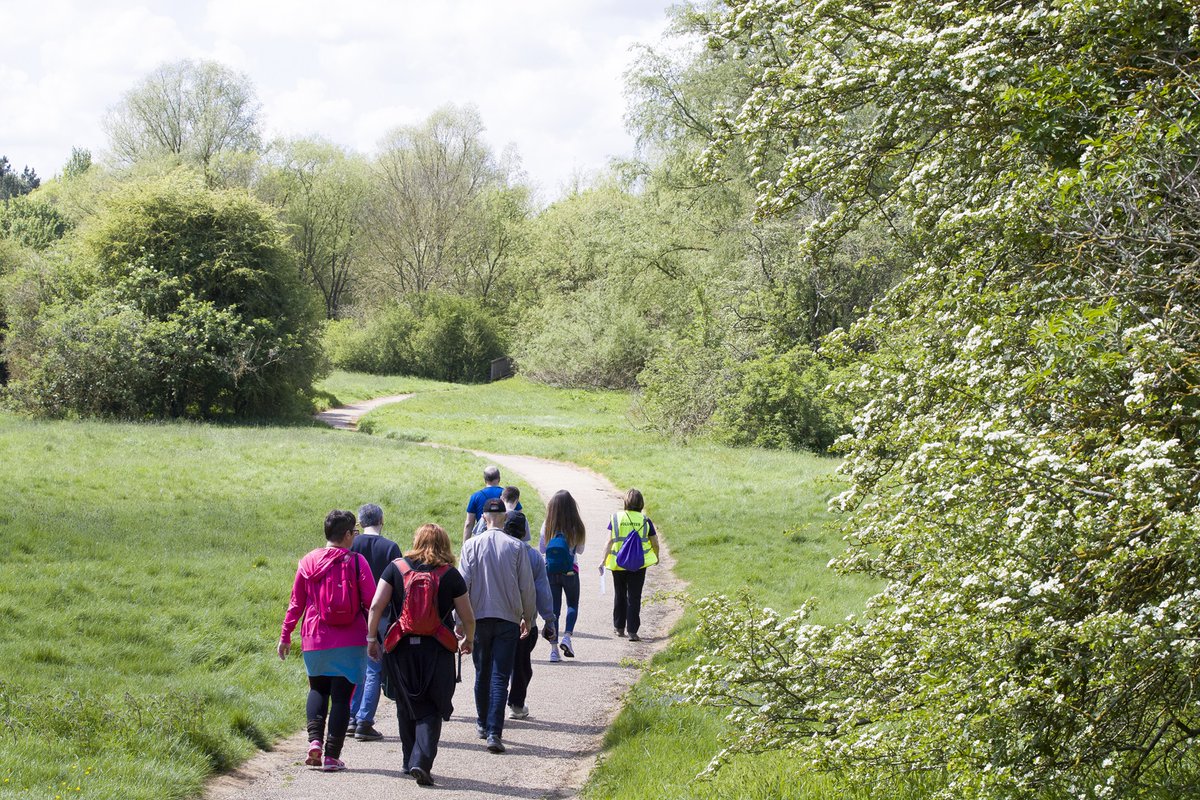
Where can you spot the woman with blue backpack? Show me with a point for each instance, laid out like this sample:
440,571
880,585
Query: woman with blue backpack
561,542
632,547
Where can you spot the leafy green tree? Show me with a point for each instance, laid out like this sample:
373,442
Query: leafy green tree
322,193
1023,476
199,113
13,184
176,300
446,211
79,163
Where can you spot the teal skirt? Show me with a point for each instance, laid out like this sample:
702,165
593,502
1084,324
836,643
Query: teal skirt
344,662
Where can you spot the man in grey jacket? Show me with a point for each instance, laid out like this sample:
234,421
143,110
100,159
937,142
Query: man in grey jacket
500,585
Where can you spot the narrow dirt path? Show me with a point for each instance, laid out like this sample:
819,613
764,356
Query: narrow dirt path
571,703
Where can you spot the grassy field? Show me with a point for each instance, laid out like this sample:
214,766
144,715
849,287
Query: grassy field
733,518
145,576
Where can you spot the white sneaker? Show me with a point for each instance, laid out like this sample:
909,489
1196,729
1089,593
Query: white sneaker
554,656
518,712
565,646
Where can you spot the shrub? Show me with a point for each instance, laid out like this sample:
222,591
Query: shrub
779,401
590,339
32,222
176,301
681,387
443,337
381,345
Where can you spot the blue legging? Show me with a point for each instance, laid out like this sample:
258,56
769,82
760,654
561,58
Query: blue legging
568,583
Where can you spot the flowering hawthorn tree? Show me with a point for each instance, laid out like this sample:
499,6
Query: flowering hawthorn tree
1026,474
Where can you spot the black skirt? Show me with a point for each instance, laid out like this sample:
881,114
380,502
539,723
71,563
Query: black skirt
419,676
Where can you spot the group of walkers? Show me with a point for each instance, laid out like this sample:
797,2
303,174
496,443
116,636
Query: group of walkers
373,620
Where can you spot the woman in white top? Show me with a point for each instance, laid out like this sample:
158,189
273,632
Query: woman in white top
561,542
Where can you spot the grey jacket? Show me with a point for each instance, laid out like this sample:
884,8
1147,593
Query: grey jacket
499,577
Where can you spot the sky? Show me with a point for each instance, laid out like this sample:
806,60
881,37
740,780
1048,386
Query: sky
546,75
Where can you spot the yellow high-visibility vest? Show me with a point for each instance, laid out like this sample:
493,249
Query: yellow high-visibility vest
626,523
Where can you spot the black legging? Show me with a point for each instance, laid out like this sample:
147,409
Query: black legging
321,689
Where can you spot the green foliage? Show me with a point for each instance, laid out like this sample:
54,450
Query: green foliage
592,338
178,301
78,164
196,113
447,213
781,403
32,221
1024,473
443,338
13,184
321,192
681,388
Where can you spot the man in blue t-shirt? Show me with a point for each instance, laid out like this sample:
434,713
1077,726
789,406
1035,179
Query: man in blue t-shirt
491,489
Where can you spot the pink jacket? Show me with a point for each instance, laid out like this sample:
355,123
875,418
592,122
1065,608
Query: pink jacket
315,633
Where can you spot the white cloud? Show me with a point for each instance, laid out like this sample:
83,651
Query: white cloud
545,75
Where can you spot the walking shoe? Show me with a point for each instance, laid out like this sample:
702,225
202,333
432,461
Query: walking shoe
518,712
565,646
423,777
333,765
494,744
314,754
351,728
633,637
479,730
554,656
367,733
619,632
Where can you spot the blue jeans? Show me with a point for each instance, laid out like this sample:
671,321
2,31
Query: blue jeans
493,651
565,583
366,697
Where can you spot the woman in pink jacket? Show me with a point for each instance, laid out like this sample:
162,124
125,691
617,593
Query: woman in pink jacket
332,590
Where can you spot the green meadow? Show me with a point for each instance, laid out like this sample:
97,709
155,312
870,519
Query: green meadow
148,569
146,573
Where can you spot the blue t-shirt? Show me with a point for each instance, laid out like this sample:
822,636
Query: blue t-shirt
475,504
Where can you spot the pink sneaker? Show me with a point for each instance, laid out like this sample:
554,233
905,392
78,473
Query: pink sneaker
314,754
333,765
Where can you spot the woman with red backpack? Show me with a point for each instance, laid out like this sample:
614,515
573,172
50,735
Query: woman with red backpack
332,589
418,594
561,542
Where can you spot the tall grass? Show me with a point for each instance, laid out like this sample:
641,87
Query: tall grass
145,575
735,519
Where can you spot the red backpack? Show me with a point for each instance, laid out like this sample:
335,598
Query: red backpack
338,603
419,615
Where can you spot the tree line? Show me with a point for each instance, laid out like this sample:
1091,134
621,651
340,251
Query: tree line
436,255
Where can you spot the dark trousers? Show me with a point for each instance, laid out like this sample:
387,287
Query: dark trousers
324,690
565,583
494,652
522,669
419,738
627,599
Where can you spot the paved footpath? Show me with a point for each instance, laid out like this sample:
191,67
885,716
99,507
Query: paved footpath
571,703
